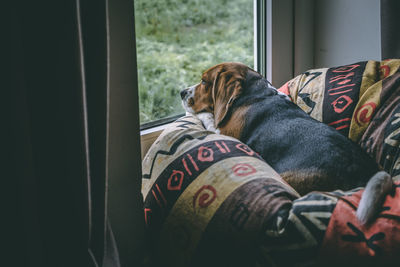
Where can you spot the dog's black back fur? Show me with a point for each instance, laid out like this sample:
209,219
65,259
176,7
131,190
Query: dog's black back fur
291,141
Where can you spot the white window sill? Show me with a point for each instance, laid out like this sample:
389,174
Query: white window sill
148,136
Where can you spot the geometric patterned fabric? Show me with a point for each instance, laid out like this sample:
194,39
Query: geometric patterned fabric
209,200
360,100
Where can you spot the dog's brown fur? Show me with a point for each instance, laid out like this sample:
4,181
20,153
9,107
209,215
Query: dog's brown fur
234,126
220,86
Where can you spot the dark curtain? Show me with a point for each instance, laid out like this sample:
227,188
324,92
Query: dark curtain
390,26
56,106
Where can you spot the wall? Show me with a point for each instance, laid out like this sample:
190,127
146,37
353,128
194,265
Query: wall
279,41
346,31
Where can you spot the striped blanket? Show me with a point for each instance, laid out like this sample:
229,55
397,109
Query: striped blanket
209,200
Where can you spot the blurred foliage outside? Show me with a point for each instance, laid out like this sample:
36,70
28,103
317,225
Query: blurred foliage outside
176,40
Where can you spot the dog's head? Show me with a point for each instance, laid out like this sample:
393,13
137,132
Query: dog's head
219,87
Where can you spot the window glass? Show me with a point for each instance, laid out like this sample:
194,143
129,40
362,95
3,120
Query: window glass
176,40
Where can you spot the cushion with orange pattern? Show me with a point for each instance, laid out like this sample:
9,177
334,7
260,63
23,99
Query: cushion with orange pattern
209,200
206,196
360,100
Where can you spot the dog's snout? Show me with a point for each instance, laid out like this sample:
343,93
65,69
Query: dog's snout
183,93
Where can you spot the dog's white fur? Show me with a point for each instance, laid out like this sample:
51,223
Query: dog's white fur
190,94
375,191
207,119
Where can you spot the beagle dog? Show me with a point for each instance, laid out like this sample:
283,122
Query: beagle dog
235,100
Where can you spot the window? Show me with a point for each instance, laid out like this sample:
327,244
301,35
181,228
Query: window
176,40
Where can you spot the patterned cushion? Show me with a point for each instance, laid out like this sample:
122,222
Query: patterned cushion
202,190
348,243
211,201
361,100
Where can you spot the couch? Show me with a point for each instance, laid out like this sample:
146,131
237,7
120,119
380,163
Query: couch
209,200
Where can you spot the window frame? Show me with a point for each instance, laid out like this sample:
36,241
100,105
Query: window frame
261,33
262,30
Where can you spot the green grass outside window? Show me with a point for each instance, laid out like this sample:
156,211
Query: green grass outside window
178,39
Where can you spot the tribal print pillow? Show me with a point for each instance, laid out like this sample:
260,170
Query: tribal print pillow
361,101
208,194
209,200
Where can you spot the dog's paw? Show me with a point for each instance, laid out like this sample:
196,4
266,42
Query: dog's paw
207,119
373,196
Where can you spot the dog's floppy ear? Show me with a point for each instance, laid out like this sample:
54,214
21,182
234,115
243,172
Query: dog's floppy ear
227,87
